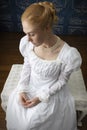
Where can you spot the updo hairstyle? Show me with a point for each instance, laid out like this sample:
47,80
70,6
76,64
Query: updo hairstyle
40,14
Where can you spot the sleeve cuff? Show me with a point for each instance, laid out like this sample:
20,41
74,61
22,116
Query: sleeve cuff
43,95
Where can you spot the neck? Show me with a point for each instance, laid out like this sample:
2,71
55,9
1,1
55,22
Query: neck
52,45
50,41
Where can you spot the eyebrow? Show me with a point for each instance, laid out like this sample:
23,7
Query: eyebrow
28,32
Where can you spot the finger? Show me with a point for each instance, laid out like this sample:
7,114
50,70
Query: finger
25,97
25,104
32,104
22,100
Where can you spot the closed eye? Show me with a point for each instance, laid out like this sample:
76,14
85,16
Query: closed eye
31,34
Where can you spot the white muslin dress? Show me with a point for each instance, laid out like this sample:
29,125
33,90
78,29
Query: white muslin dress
46,79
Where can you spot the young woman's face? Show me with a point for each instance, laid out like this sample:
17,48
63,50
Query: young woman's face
35,34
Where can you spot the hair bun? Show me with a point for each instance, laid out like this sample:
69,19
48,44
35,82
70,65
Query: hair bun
50,5
47,4
40,13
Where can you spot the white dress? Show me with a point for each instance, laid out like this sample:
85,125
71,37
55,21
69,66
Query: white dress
48,81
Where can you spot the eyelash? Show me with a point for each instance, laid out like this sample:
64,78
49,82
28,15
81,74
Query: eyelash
31,35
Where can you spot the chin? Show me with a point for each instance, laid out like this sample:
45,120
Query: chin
36,44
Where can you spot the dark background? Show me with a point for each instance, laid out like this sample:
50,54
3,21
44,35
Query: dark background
72,16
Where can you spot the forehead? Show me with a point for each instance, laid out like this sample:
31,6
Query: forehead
28,28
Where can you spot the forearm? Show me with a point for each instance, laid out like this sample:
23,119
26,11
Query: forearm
44,94
24,77
60,83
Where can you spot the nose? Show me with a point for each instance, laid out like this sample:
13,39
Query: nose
29,38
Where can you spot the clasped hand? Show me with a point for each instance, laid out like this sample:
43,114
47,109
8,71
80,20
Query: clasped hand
26,102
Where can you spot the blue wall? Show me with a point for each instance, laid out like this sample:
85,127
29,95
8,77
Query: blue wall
72,15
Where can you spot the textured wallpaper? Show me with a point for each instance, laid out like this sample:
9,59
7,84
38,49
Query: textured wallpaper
72,15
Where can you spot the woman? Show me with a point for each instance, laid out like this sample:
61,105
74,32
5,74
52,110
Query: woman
42,100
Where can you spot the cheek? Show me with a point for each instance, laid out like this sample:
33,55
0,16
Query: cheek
43,37
39,39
